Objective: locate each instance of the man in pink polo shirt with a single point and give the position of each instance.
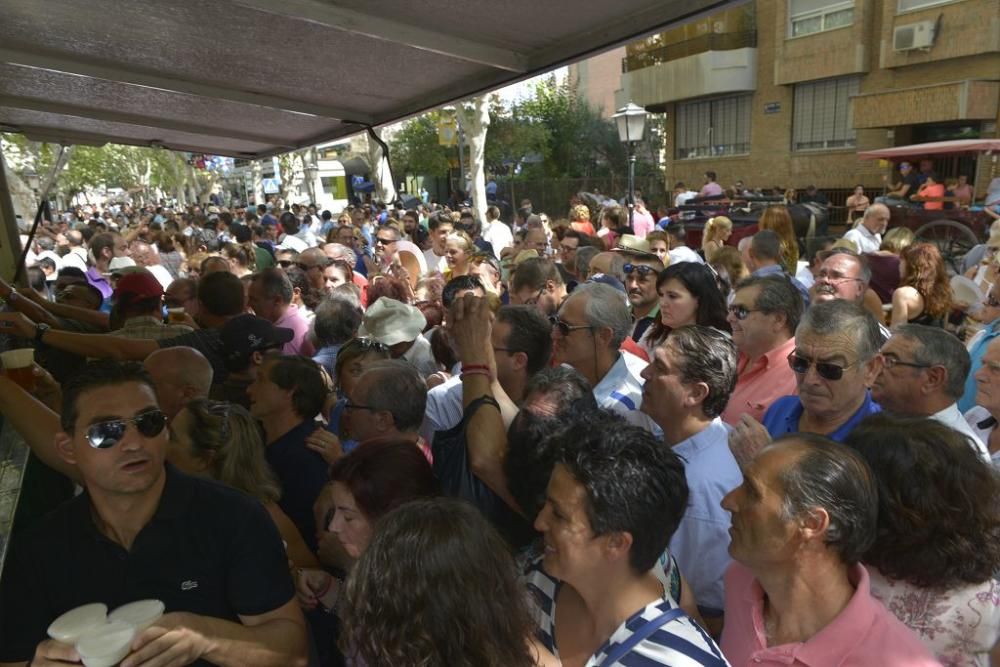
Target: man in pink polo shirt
(764, 313)
(270, 297)
(796, 594)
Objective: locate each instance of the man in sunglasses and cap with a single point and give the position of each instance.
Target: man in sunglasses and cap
(143, 530)
(835, 362)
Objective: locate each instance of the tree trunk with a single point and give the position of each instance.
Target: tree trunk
(475, 125)
(258, 183)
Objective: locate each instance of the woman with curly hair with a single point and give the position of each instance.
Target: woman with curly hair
(779, 220)
(923, 295)
(938, 541)
(579, 219)
(717, 232)
(437, 586)
(689, 294)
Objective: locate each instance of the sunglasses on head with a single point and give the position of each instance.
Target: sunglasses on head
(826, 370)
(107, 434)
(641, 269)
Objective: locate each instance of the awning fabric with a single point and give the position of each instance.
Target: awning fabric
(933, 148)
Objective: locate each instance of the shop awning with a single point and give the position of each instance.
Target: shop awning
(932, 148)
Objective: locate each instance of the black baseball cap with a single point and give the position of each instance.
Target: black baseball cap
(245, 334)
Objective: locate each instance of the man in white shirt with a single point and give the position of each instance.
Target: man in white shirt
(440, 225)
(496, 232)
(682, 194)
(923, 375)
(867, 236)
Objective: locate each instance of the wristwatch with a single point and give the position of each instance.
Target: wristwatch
(40, 330)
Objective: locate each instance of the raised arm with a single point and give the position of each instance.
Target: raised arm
(36, 423)
(486, 431)
(85, 345)
(95, 318)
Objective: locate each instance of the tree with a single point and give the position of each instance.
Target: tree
(513, 138)
(475, 122)
(415, 148)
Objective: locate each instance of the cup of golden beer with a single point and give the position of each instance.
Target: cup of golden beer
(175, 315)
(18, 366)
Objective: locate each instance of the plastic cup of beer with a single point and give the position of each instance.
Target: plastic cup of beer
(175, 315)
(17, 365)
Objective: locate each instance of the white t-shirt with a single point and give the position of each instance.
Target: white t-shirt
(435, 263)
(498, 235)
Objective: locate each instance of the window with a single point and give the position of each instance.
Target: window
(910, 5)
(822, 116)
(711, 128)
(808, 16)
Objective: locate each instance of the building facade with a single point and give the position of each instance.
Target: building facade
(784, 93)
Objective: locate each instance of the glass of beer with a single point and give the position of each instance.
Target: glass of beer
(175, 315)
(18, 366)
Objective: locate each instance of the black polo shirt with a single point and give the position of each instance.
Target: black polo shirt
(208, 550)
(206, 341)
(303, 473)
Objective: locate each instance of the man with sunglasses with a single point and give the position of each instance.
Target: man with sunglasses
(641, 270)
(923, 375)
(763, 315)
(312, 262)
(144, 530)
(385, 240)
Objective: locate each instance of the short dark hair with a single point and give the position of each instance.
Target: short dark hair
(289, 223)
(938, 511)
(301, 376)
(222, 294)
(399, 389)
(95, 375)
(711, 175)
(274, 283)
(438, 219)
(460, 284)
(833, 477)
(383, 475)
(337, 320)
(766, 244)
(706, 355)
(632, 482)
(530, 332)
(616, 215)
(101, 241)
(776, 294)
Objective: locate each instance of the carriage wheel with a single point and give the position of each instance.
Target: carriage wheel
(953, 240)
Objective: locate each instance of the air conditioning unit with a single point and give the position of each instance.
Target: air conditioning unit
(913, 36)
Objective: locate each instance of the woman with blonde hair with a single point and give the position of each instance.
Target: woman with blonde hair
(579, 219)
(458, 250)
(717, 232)
(242, 260)
(923, 295)
(779, 220)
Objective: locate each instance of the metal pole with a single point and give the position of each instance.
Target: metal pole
(631, 183)
(461, 159)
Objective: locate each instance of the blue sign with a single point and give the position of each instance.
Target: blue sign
(772, 107)
(272, 186)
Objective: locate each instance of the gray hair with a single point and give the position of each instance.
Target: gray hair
(707, 355)
(835, 478)
(766, 244)
(777, 295)
(838, 316)
(337, 319)
(937, 347)
(398, 388)
(583, 257)
(606, 308)
(864, 270)
(341, 251)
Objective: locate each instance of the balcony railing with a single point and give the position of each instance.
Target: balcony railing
(713, 41)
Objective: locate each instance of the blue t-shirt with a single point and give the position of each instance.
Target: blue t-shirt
(784, 414)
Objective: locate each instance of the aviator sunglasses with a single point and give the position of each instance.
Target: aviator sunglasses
(104, 435)
(826, 370)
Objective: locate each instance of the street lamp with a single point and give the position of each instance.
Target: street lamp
(311, 170)
(631, 121)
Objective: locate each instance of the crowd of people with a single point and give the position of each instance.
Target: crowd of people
(410, 437)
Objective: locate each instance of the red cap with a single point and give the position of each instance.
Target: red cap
(139, 286)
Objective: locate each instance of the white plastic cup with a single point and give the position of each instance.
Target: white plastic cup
(75, 623)
(140, 614)
(106, 646)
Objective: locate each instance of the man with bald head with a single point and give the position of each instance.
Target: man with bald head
(180, 375)
(312, 262)
(610, 264)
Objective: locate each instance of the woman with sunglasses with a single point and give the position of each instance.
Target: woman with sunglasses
(689, 294)
(222, 441)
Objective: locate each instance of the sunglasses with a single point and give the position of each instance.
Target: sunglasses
(641, 269)
(104, 435)
(826, 370)
(366, 345)
(564, 328)
(380, 241)
(741, 312)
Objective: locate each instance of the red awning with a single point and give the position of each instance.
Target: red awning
(933, 148)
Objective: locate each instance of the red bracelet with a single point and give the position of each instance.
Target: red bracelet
(475, 367)
(477, 371)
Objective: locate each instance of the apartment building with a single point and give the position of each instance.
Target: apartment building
(786, 92)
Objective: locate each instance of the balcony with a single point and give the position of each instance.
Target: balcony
(711, 64)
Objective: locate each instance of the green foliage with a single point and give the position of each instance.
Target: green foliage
(512, 137)
(415, 148)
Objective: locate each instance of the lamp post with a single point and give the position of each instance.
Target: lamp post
(631, 121)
